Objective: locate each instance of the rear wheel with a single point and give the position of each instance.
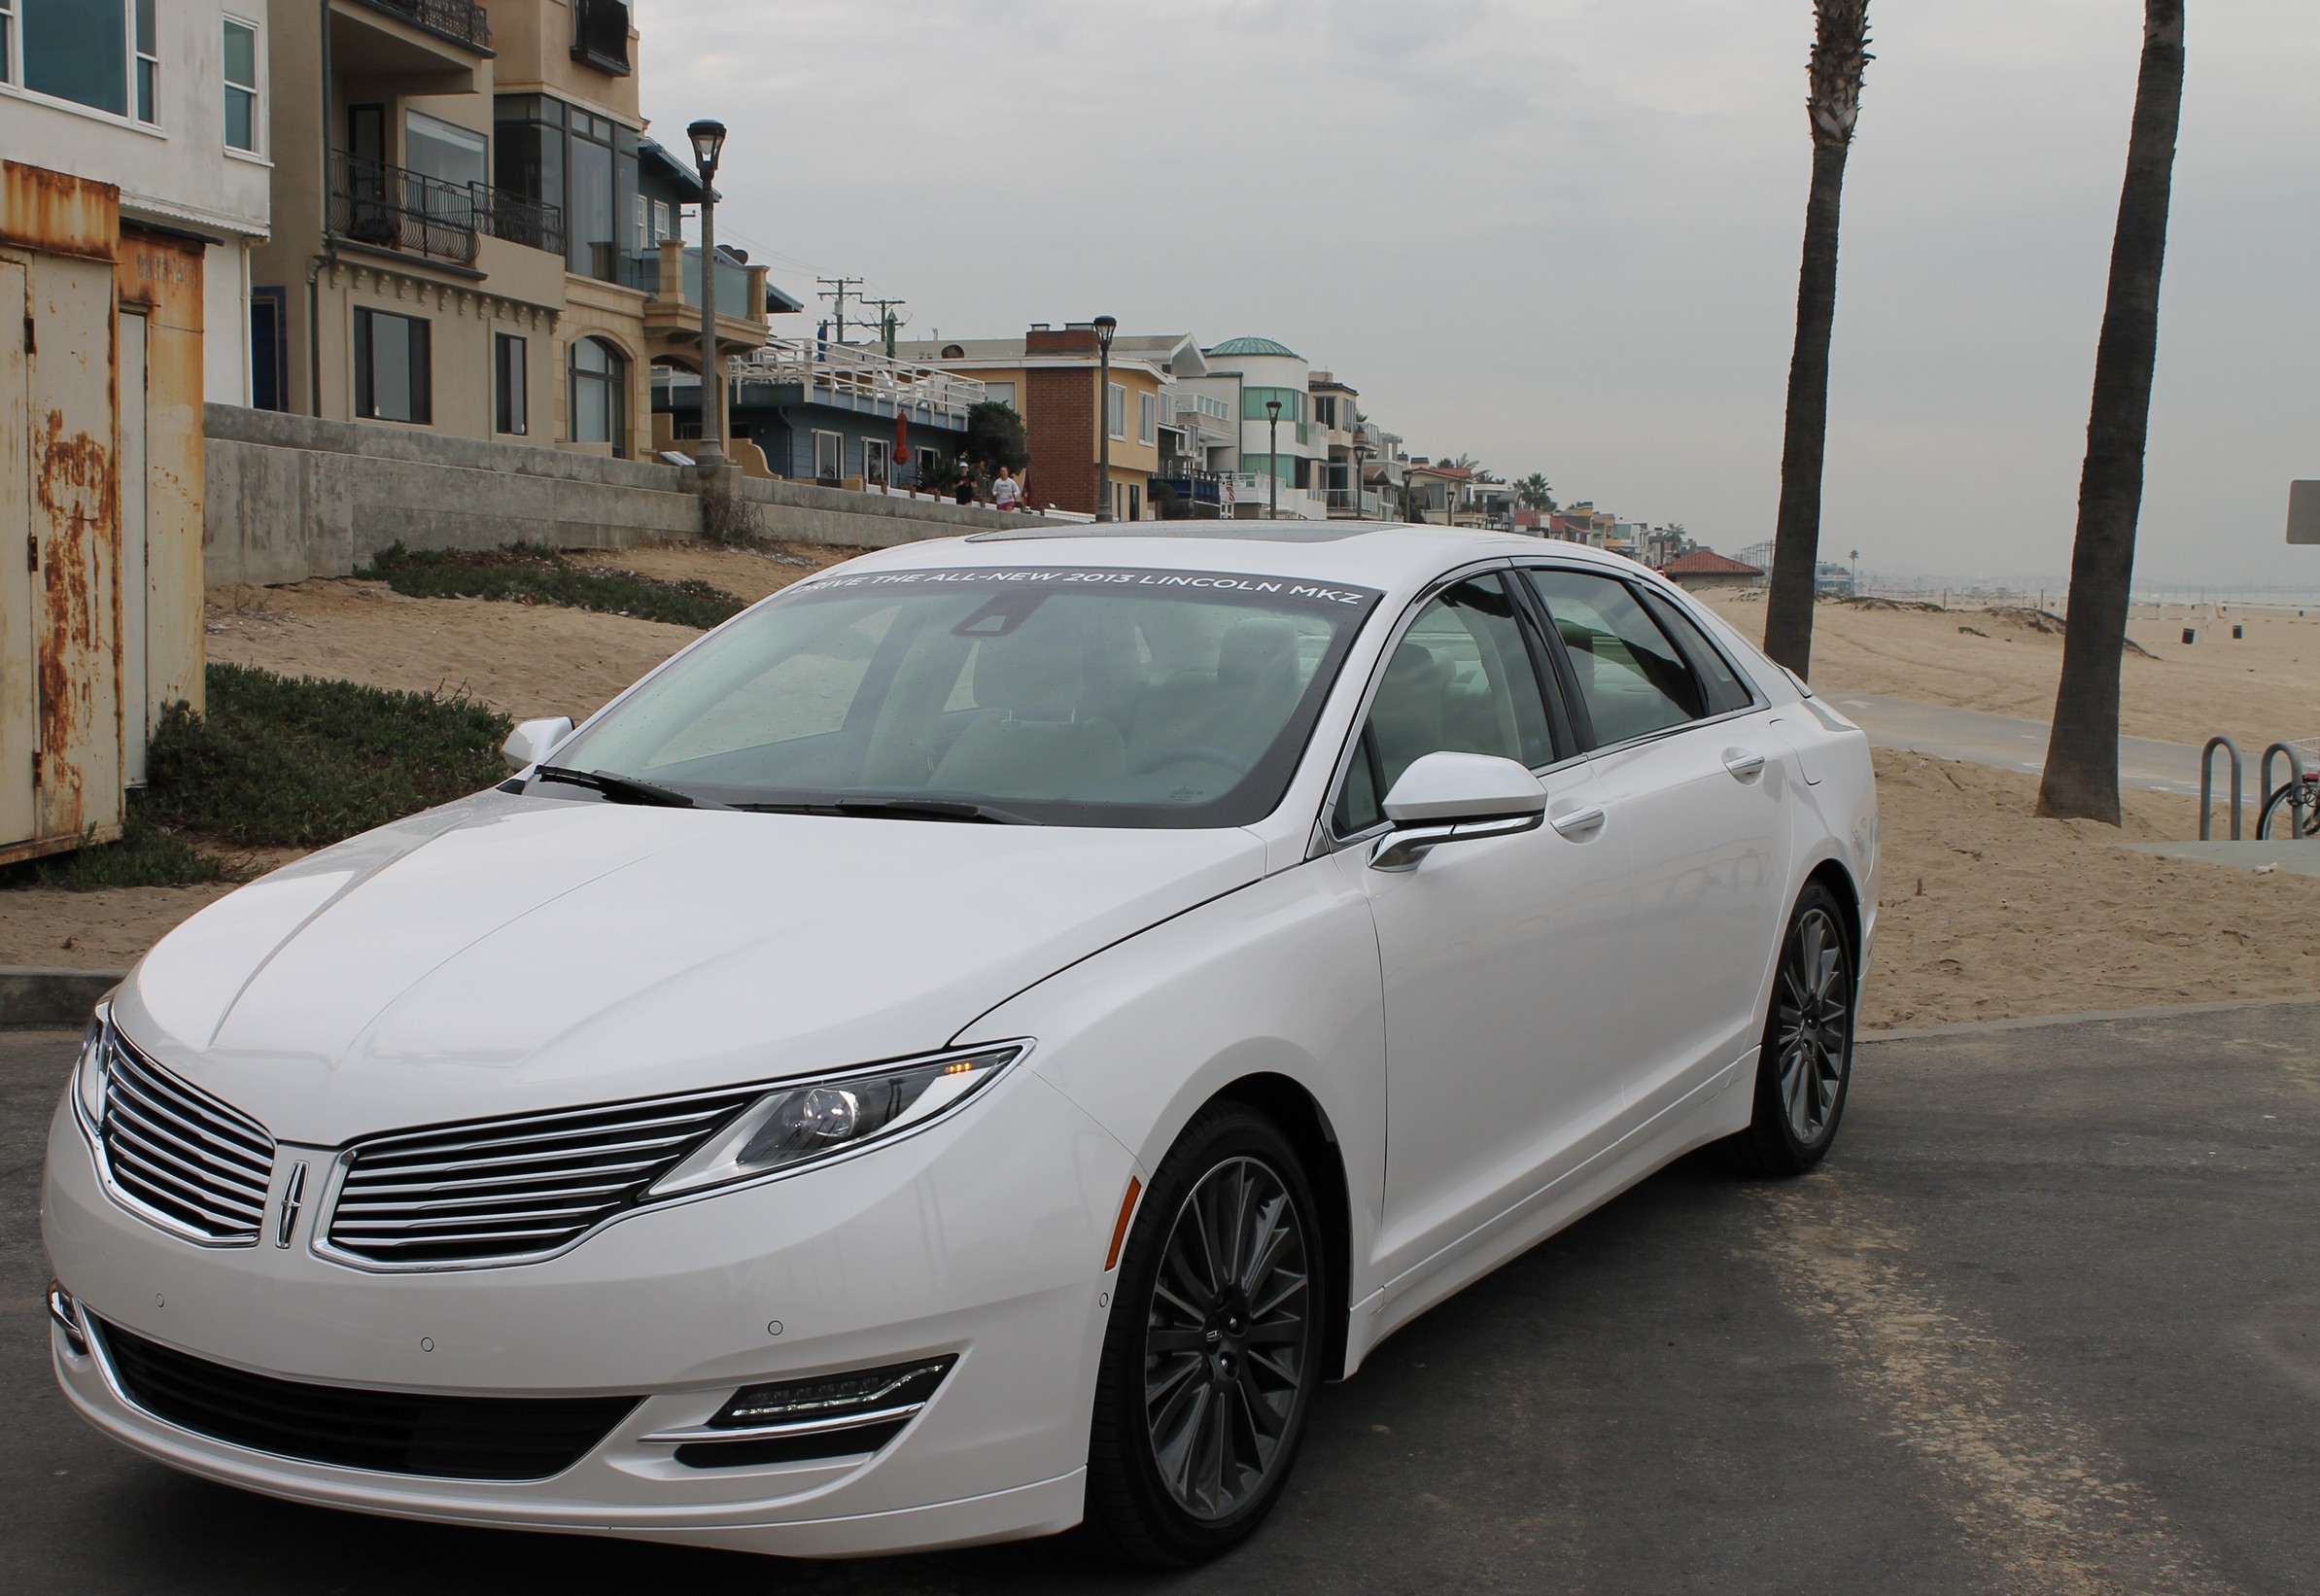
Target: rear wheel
(2291, 813)
(1214, 1346)
(1806, 1064)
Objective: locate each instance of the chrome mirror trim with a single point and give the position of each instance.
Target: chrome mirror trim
(1402, 849)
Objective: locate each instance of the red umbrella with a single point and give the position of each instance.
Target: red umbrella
(902, 439)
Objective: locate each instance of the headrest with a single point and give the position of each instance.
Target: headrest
(1035, 675)
(1414, 666)
(1255, 649)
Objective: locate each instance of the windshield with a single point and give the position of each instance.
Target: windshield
(1063, 695)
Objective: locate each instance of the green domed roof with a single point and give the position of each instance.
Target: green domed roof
(1254, 346)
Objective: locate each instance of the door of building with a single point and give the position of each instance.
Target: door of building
(16, 653)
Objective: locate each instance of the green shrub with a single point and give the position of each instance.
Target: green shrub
(538, 575)
(298, 764)
(146, 856)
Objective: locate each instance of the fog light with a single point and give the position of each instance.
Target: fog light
(67, 1316)
(864, 1392)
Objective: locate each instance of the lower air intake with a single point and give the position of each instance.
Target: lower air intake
(389, 1431)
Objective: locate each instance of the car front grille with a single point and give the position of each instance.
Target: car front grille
(500, 1191)
(182, 1154)
(391, 1432)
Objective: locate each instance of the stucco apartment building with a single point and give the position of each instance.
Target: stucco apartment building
(134, 185)
(1050, 375)
(473, 233)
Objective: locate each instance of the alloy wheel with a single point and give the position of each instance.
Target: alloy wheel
(1812, 1024)
(1227, 1338)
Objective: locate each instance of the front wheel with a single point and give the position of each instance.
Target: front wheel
(1806, 1064)
(2291, 813)
(1214, 1346)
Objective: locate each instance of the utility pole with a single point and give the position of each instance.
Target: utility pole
(886, 317)
(837, 290)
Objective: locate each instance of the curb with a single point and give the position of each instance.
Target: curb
(30, 995)
(2162, 1011)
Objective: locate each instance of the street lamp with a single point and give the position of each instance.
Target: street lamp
(1361, 456)
(1272, 456)
(709, 143)
(1106, 326)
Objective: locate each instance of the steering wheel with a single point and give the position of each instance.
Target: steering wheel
(1201, 751)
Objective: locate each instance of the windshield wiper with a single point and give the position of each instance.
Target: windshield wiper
(902, 809)
(621, 789)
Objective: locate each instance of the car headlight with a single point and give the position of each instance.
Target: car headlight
(89, 1071)
(802, 1121)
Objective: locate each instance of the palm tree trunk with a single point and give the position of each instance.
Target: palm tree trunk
(2082, 755)
(1839, 56)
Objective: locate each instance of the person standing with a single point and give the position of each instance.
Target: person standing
(1006, 492)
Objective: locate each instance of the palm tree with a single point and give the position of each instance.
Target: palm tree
(1534, 493)
(2082, 754)
(1840, 57)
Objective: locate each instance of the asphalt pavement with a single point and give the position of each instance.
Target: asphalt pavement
(2047, 1319)
(1982, 737)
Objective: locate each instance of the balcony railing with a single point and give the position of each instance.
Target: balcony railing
(642, 269)
(861, 379)
(391, 207)
(460, 20)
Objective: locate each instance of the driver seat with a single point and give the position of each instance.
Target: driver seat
(1032, 742)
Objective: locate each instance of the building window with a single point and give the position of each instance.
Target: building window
(643, 221)
(8, 41)
(146, 65)
(1135, 502)
(660, 221)
(875, 453)
(392, 381)
(511, 410)
(829, 457)
(80, 51)
(454, 157)
(269, 351)
(998, 393)
(1115, 411)
(599, 380)
(1146, 418)
(241, 85)
(1254, 399)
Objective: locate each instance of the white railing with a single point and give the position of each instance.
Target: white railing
(863, 377)
(1204, 404)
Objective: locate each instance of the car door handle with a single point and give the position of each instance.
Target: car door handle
(1578, 822)
(1744, 766)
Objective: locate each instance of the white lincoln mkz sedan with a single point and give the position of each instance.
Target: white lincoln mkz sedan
(968, 1046)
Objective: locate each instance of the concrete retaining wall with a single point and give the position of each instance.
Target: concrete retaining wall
(291, 497)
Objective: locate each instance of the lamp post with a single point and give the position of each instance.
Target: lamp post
(1106, 326)
(1360, 457)
(709, 143)
(1272, 458)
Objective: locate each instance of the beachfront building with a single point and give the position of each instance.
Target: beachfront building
(472, 235)
(1277, 463)
(1050, 375)
(840, 415)
(135, 138)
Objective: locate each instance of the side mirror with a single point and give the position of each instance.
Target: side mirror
(534, 741)
(1452, 797)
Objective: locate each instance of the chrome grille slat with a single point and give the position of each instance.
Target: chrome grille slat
(194, 1162)
(502, 1190)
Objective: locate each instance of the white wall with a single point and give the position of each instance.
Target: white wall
(225, 323)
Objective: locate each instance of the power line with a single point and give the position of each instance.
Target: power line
(837, 290)
(886, 320)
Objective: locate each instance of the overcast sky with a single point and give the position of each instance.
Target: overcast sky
(1562, 235)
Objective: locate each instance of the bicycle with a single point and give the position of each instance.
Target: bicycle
(2291, 810)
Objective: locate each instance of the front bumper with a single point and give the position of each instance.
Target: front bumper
(983, 1237)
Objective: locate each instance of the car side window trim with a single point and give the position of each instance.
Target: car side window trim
(1569, 676)
(1691, 639)
(1562, 728)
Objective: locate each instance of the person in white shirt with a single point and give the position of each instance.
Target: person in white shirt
(1005, 492)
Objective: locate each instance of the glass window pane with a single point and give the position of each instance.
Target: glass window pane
(1633, 680)
(241, 117)
(146, 37)
(442, 150)
(78, 50)
(390, 368)
(241, 55)
(594, 247)
(1461, 680)
(1725, 690)
(149, 91)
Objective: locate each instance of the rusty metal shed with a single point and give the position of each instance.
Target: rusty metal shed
(101, 489)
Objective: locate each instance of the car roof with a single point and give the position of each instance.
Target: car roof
(1387, 555)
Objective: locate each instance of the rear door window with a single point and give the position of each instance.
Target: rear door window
(1631, 677)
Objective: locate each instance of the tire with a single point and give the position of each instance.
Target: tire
(1804, 1069)
(1179, 1466)
(2279, 809)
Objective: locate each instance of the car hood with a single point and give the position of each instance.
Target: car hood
(512, 954)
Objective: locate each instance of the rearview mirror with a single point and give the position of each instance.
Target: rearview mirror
(1451, 797)
(534, 741)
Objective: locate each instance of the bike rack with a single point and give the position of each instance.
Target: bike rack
(2207, 784)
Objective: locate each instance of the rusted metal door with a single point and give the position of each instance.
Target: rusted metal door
(16, 653)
